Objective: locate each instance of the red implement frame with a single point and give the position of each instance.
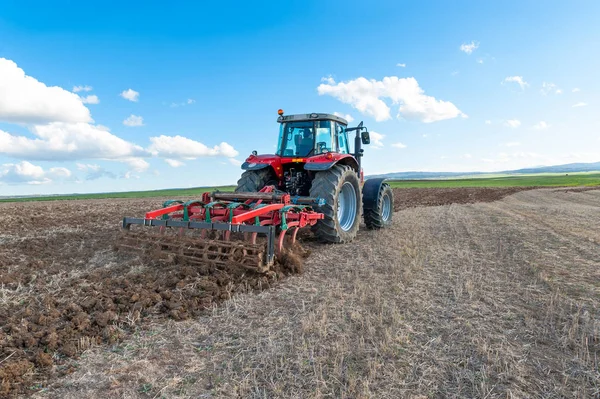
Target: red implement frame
(264, 208)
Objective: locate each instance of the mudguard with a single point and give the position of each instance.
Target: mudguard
(371, 192)
(254, 166)
(318, 166)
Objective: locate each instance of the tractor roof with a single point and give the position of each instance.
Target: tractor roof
(311, 117)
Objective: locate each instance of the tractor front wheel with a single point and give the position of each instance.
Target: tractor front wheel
(254, 180)
(340, 188)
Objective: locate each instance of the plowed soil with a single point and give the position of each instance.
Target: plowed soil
(64, 288)
(412, 197)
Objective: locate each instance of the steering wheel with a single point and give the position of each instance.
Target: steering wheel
(321, 145)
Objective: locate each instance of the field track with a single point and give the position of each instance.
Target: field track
(499, 298)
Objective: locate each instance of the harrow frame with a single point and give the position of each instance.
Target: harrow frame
(266, 212)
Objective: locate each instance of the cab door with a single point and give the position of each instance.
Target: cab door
(341, 137)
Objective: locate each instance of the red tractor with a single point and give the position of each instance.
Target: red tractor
(314, 159)
(314, 180)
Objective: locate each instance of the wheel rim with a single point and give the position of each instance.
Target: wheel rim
(346, 212)
(386, 208)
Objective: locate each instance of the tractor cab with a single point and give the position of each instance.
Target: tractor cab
(308, 144)
(307, 135)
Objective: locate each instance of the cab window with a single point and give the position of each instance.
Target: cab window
(323, 140)
(342, 139)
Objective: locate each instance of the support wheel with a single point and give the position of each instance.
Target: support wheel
(340, 188)
(254, 180)
(379, 205)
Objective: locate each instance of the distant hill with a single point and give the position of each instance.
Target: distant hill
(567, 168)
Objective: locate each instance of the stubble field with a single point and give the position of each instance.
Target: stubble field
(471, 293)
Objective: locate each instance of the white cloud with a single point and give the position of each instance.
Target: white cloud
(60, 131)
(134, 120)
(541, 125)
(59, 172)
(488, 122)
(77, 89)
(399, 145)
(469, 47)
(548, 88)
(178, 147)
(129, 175)
(174, 163)
(466, 156)
(23, 99)
(26, 172)
(347, 117)
(189, 101)
(137, 164)
(517, 79)
(480, 60)
(94, 171)
(130, 95)
(235, 162)
(514, 123)
(91, 99)
(367, 97)
(85, 167)
(60, 141)
(579, 104)
(376, 139)
(576, 90)
(328, 80)
(401, 65)
(512, 144)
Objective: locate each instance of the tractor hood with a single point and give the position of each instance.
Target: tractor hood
(315, 162)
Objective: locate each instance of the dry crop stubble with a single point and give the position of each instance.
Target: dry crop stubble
(444, 304)
(453, 301)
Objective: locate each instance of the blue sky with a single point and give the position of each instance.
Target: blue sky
(148, 95)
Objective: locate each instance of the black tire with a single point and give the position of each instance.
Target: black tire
(253, 180)
(378, 214)
(328, 186)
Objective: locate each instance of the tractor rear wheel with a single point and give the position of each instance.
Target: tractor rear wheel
(379, 207)
(340, 188)
(254, 180)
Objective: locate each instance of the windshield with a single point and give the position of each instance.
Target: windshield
(297, 139)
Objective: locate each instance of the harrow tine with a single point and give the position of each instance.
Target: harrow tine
(280, 241)
(250, 237)
(294, 234)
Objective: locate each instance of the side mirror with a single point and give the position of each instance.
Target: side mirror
(366, 139)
